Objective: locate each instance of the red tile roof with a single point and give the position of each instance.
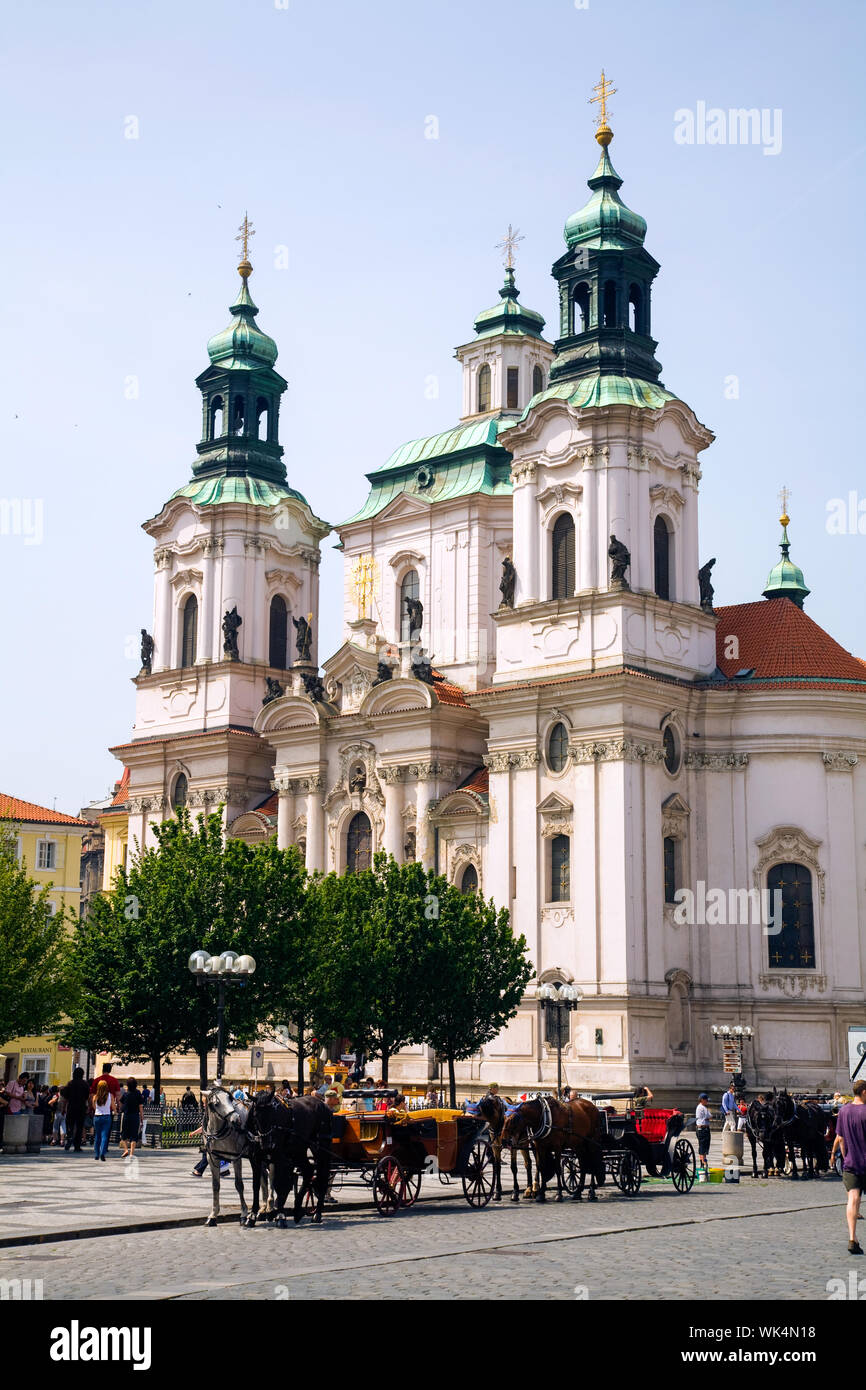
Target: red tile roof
(446, 693)
(477, 781)
(269, 806)
(11, 808)
(121, 792)
(781, 642)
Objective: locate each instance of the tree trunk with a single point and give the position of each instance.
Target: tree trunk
(385, 1057)
(452, 1082)
(157, 1073)
(202, 1068)
(301, 1051)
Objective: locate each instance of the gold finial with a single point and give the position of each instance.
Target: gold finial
(784, 519)
(363, 574)
(603, 89)
(508, 243)
(245, 230)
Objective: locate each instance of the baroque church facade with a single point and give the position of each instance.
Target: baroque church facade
(535, 694)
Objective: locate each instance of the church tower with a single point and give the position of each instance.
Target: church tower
(236, 592)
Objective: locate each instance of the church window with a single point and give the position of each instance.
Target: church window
(793, 948)
(217, 414)
(662, 557)
(277, 637)
(671, 751)
(670, 864)
(557, 748)
(359, 844)
(190, 629)
(635, 305)
(180, 793)
(537, 380)
(238, 415)
(580, 315)
(562, 549)
(483, 389)
(610, 304)
(511, 388)
(560, 869)
(262, 418)
(469, 879)
(409, 588)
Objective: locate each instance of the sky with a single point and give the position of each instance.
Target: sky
(136, 133)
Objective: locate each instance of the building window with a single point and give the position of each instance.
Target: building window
(662, 557)
(635, 316)
(483, 389)
(560, 866)
(671, 750)
(46, 854)
(36, 1065)
(562, 584)
(794, 946)
(670, 858)
(262, 419)
(279, 622)
(512, 379)
(238, 415)
(50, 910)
(216, 417)
(409, 588)
(610, 304)
(359, 844)
(190, 629)
(469, 879)
(557, 748)
(580, 313)
(181, 792)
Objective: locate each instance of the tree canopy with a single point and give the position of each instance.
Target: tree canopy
(37, 978)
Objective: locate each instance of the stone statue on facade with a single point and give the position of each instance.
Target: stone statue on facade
(620, 559)
(274, 690)
(383, 673)
(707, 590)
(303, 637)
(358, 780)
(422, 668)
(506, 583)
(231, 622)
(314, 688)
(415, 610)
(146, 652)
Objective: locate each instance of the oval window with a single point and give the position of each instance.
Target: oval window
(557, 748)
(671, 751)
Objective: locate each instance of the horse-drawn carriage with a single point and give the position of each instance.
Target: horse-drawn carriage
(390, 1151)
(642, 1139)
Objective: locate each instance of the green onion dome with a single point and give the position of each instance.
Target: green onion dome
(243, 344)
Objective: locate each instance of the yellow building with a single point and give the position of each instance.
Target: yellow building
(49, 849)
(115, 824)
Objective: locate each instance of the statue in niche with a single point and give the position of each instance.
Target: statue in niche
(303, 637)
(506, 583)
(383, 673)
(314, 688)
(620, 559)
(358, 780)
(415, 610)
(707, 589)
(231, 622)
(146, 652)
(273, 690)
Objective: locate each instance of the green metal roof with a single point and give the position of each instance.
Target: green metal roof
(786, 579)
(212, 492)
(509, 315)
(596, 390)
(243, 344)
(605, 222)
(461, 437)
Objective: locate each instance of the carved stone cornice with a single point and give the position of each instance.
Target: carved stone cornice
(141, 805)
(162, 558)
(427, 771)
(230, 793)
(639, 458)
(667, 497)
(522, 473)
(589, 457)
(391, 776)
(840, 762)
(616, 750)
(715, 762)
(691, 475)
(520, 758)
(551, 827)
(189, 577)
(214, 545)
(255, 545)
(794, 984)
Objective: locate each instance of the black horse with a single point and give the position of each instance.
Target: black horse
(802, 1127)
(288, 1132)
(761, 1128)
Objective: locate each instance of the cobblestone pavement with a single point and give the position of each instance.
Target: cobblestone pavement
(756, 1240)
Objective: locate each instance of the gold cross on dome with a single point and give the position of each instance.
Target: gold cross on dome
(783, 499)
(362, 582)
(245, 230)
(508, 243)
(603, 90)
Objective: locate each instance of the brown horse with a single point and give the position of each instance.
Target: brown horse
(552, 1127)
(494, 1110)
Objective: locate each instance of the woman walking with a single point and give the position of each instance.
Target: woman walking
(103, 1106)
(131, 1103)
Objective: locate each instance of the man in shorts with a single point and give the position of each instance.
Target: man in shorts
(851, 1139)
(702, 1129)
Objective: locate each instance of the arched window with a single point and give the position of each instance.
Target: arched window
(483, 388)
(610, 304)
(537, 380)
(238, 415)
(180, 793)
(279, 622)
(409, 588)
(635, 309)
(217, 414)
(562, 553)
(793, 948)
(560, 869)
(469, 879)
(662, 557)
(671, 750)
(580, 309)
(190, 631)
(512, 388)
(359, 844)
(670, 865)
(262, 418)
(557, 748)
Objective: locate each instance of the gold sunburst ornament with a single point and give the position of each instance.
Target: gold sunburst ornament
(783, 499)
(508, 245)
(363, 573)
(245, 231)
(602, 89)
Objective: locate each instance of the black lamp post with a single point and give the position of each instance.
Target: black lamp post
(558, 1002)
(223, 968)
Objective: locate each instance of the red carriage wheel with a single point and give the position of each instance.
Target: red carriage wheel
(389, 1186)
(479, 1178)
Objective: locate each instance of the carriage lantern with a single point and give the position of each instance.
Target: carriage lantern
(558, 1000)
(226, 966)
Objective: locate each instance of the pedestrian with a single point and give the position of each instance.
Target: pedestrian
(43, 1108)
(431, 1100)
(75, 1094)
(15, 1093)
(162, 1099)
(702, 1129)
(103, 1106)
(286, 1091)
(30, 1098)
(111, 1081)
(188, 1100)
(130, 1125)
(58, 1117)
(729, 1107)
(225, 1166)
(851, 1140)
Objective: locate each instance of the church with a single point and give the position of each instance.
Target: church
(536, 694)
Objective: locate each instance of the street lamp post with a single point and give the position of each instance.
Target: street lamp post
(733, 1038)
(558, 1001)
(223, 968)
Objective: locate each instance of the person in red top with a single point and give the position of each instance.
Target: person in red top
(111, 1081)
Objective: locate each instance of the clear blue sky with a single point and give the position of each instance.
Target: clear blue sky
(119, 262)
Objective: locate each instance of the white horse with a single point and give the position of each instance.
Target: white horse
(226, 1138)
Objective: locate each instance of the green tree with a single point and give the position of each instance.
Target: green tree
(37, 977)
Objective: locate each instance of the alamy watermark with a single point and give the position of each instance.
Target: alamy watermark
(718, 907)
(22, 516)
(736, 126)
